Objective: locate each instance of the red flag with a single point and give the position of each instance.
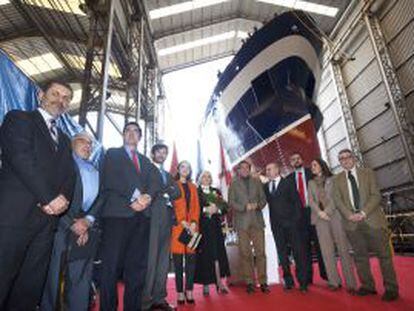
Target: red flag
(174, 161)
(225, 173)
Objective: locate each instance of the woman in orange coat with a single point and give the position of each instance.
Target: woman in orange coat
(187, 213)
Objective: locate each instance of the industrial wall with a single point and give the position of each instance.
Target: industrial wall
(363, 117)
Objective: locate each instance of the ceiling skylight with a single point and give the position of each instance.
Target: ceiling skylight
(201, 42)
(182, 7)
(305, 6)
(39, 64)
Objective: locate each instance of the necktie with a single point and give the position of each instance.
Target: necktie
(53, 130)
(355, 191)
(273, 186)
(164, 175)
(135, 161)
(301, 189)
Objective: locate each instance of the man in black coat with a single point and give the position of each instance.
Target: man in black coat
(130, 183)
(286, 223)
(299, 178)
(36, 184)
(162, 220)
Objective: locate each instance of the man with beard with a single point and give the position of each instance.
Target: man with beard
(299, 178)
(36, 184)
(162, 220)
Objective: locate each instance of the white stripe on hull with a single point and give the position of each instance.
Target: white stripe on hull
(287, 47)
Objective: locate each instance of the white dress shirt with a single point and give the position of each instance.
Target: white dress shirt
(48, 118)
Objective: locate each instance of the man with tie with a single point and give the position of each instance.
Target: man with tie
(286, 223)
(36, 184)
(247, 199)
(358, 199)
(299, 178)
(130, 183)
(162, 220)
(75, 227)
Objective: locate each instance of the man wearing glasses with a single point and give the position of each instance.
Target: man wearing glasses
(357, 197)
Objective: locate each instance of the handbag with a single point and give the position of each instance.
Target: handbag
(190, 240)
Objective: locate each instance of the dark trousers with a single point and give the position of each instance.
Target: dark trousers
(78, 278)
(189, 271)
(24, 259)
(312, 243)
(124, 245)
(159, 258)
(365, 239)
(290, 238)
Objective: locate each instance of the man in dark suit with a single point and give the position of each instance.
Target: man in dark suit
(130, 183)
(36, 184)
(299, 178)
(162, 220)
(75, 226)
(286, 222)
(358, 198)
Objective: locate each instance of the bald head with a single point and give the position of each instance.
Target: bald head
(272, 170)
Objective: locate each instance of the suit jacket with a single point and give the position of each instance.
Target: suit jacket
(189, 213)
(161, 202)
(239, 196)
(34, 170)
(120, 179)
(370, 199)
(284, 204)
(292, 179)
(75, 209)
(315, 199)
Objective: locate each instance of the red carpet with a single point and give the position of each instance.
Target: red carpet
(319, 298)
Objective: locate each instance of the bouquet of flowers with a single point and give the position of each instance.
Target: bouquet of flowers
(214, 197)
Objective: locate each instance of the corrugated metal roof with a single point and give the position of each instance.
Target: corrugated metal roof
(230, 15)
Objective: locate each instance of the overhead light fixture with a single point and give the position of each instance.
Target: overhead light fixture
(182, 7)
(304, 6)
(68, 6)
(39, 64)
(4, 2)
(200, 42)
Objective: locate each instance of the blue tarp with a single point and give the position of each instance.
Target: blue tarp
(19, 92)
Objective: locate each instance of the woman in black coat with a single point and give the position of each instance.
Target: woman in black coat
(212, 264)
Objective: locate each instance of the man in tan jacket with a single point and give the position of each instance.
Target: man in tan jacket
(357, 197)
(247, 199)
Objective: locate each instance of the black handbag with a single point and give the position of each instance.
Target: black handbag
(76, 252)
(191, 240)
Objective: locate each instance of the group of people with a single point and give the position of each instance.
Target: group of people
(59, 212)
(312, 211)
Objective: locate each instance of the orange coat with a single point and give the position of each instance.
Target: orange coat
(193, 215)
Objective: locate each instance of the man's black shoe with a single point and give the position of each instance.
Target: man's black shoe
(365, 292)
(264, 288)
(303, 288)
(163, 306)
(390, 296)
(250, 288)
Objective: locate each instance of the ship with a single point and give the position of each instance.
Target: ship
(263, 106)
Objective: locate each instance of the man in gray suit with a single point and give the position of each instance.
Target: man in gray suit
(247, 199)
(357, 197)
(162, 220)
